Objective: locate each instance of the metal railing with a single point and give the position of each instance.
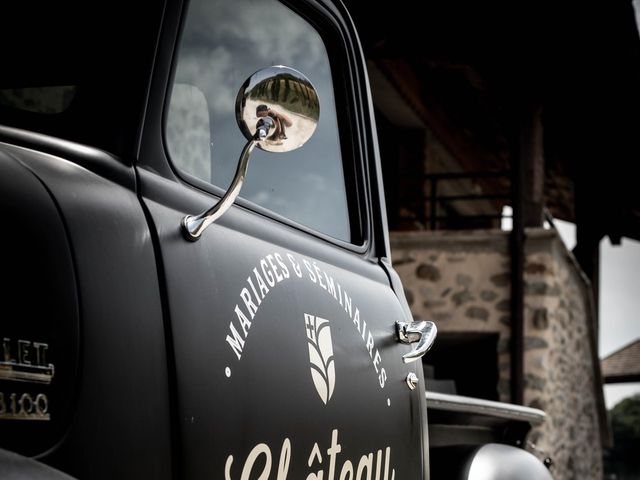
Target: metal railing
(438, 203)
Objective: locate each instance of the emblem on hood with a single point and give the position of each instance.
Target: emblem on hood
(323, 371)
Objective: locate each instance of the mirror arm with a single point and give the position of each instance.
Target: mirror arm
(194, 225)
(254, 92)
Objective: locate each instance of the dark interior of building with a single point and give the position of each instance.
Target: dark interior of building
(493, 80)
(477, 349)
(533, 106)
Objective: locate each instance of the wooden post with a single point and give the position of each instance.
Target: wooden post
(527, 190)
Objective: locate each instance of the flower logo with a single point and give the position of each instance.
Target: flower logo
(323, 371)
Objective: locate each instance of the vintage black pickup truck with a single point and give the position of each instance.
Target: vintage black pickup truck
(170, 311)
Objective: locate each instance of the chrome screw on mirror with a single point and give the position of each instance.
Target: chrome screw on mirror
(277, 109)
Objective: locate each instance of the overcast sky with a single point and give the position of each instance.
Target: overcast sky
(619, 308)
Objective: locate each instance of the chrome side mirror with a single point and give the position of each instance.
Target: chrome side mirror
(277, 110)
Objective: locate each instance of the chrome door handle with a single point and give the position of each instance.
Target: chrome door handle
(423, 332)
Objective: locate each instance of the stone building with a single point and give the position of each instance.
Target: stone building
(462, 282)
(623, 365)
(485, 108)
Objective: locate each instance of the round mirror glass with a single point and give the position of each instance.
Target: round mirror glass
(278, 106)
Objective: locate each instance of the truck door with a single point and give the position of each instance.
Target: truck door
(281, 320)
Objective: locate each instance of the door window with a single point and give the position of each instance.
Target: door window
(223, 42)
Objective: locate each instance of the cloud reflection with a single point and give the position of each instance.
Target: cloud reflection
(223, 43)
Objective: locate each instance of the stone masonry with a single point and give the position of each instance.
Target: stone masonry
(559, 367)
(461, 280)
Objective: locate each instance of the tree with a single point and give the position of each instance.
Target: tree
(624, 458)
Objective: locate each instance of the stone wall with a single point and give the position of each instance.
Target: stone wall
(560, 374)
(461, 280)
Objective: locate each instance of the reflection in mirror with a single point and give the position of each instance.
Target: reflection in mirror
(279, 106)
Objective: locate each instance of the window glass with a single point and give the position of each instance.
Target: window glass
(54, 99)
(224, 42)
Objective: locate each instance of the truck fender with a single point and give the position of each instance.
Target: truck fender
(17, 467)
(491, 461)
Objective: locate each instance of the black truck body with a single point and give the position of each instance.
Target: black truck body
(267, 349)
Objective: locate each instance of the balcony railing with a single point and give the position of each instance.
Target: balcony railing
(442, 213)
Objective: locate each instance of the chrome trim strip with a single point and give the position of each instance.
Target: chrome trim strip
(26, 373)
(477, 406)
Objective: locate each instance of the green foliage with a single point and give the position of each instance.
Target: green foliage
(624, 458)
